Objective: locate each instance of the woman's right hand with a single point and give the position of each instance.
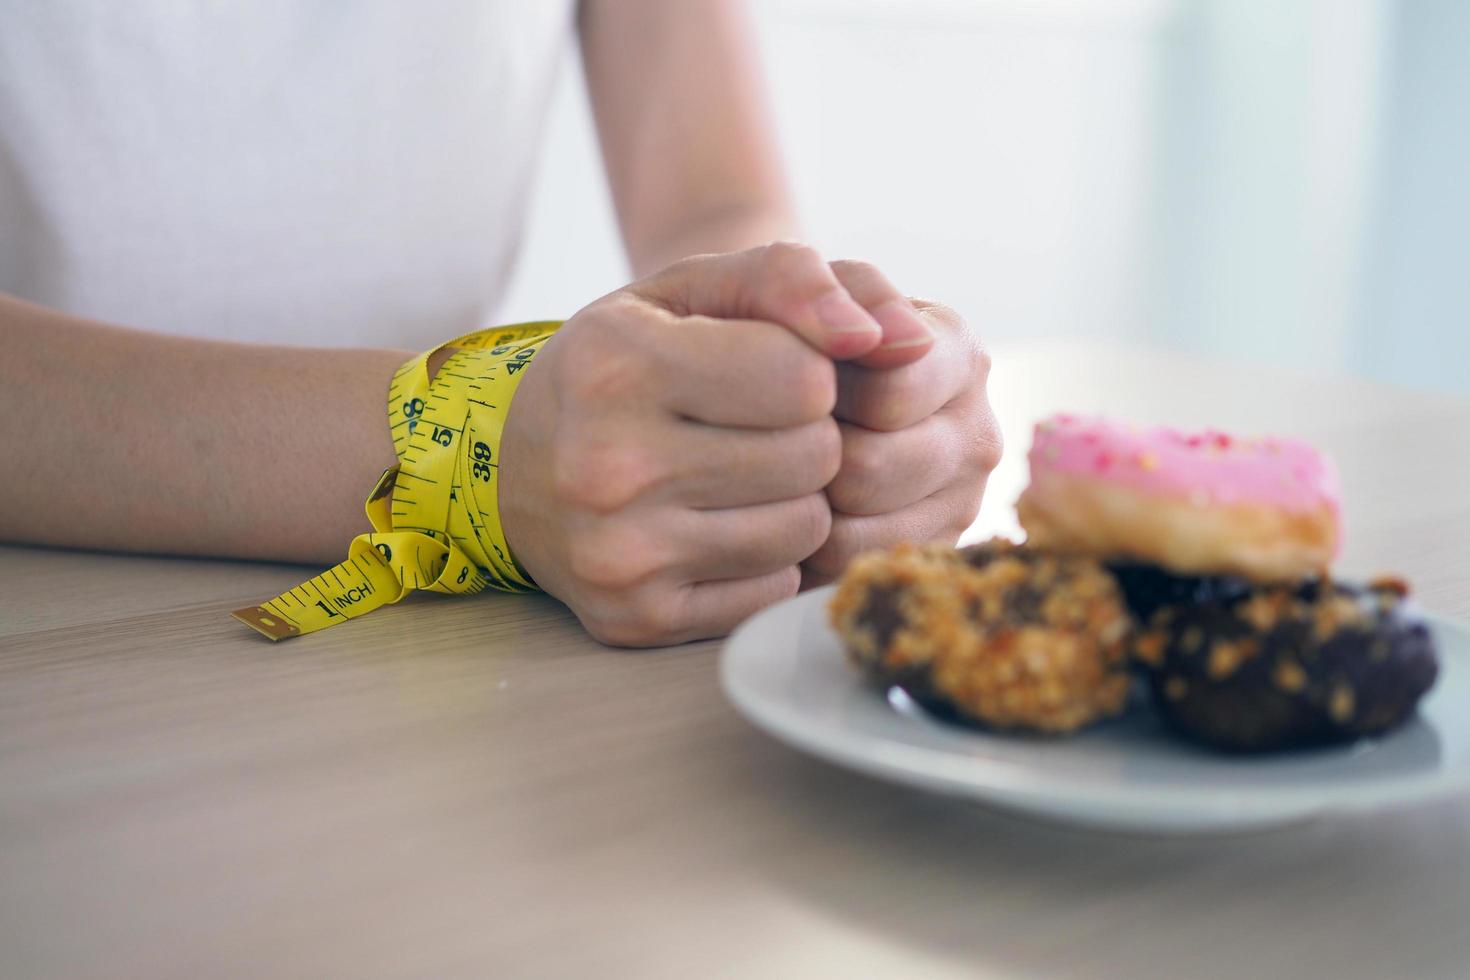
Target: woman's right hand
(663, 462)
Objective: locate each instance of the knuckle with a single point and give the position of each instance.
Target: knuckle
(687, 267)
(811, 522)
(614, 310)
(948, 322)
(615, 627)
(643, 619)
(862, 457)
(812, 384)
(594, 613)
(597, 370)
(975, 353)
(978, 364)
(855, 269)
(957, 518)
(654, 617)
(827, 449)
(595, 566)
(796, 273)
(668, 289)
(568, 468)
(602, 477)
(976, 433)
(608, 630)
(785, 583)
(612, 560)
(946, 316)
(786, 255)
(990, 445)
(962, 522)
(864, 281)
(982, 361)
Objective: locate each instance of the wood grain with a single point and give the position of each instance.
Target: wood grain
(473, 788)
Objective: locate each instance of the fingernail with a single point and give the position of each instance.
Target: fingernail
(902, 325)
(841, 314)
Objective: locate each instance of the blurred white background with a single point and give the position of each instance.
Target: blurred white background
(1283, 181)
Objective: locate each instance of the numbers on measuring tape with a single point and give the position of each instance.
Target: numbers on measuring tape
(481, 471)
(385, 551)
(481, 452)
(413, 408)
(464, 573)
(521, 359)
(442, 436)
(327, 609)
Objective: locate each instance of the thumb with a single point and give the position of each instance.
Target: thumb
(906, 337)
(784, 283)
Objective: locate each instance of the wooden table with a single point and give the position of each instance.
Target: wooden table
(473, 788)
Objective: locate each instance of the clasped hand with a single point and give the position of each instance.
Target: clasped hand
(706, 441)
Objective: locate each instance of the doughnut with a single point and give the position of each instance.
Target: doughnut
(1149, 588)
(1280, 667)
(998, 635)
(1202, 504)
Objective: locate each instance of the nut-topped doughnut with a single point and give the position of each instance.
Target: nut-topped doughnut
(1002, 635)
(1289, 666)
(1204, 503)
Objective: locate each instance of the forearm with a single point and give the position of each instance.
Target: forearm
(685, 127)
(125, 440)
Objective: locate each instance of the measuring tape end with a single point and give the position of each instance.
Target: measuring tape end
(266, 623)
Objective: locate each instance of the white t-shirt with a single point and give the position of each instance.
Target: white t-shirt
(296, 171)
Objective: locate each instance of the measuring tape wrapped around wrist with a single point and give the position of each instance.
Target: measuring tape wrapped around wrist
(435, 516)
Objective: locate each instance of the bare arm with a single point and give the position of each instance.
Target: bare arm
(134, 441)
(686, 132)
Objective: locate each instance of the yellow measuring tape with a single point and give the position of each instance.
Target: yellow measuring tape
(435, 516)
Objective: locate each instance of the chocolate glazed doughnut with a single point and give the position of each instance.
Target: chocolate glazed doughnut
(1148, 588)
(1284, 667)
(997, 635)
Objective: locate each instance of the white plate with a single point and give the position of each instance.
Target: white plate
(785, 670)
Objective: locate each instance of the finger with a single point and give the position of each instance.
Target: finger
(741, 542)
(886, 471)
(716, 468)
(742, 373)
(662, 616)
(906, 337)
(716, 608)
(943, 516)
(898, 397)
(784, 282)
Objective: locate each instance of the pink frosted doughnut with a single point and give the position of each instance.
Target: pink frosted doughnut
(1195, 503)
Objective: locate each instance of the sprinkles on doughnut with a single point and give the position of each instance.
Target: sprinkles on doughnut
(1195, 503)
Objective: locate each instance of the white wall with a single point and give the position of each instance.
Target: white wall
(1415, 295)
(1279, 180)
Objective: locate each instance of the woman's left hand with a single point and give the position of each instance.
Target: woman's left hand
(918, 436)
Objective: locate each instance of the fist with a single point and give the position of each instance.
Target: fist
(665, 459)
(918, 436)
